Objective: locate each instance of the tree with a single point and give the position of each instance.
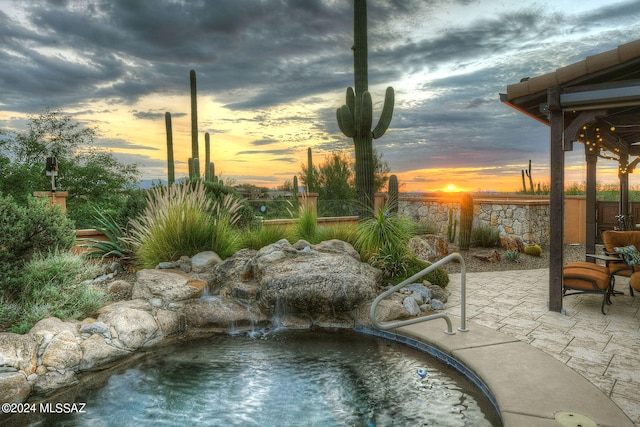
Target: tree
(336, 190)
(91, 176)
(380, 171)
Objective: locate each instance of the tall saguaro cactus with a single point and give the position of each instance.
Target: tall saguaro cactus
(195, 162)
(171, 177)
(355, 117)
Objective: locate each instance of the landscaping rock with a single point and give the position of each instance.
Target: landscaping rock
(310, 281)
(428, 247)
(134, 328)
(15, 387)
(204, 261)
(19, 351)
(169, 285)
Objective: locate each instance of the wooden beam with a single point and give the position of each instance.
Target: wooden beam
(556, 220)
(591, 227)
(573, 129)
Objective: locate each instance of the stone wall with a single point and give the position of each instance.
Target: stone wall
(524, 216)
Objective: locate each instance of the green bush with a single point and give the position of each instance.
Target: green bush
(26, 231)
(438, 277)
(485, 236)
(52, 286)
(181, 220)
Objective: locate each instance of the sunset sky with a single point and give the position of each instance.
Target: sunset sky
(272, 73)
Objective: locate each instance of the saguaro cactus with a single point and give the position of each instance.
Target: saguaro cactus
(295, 185)
(393, 194)
(207, 157)
(355, 117)
(195, 162)
(466, 221)
(171, 177)
(311, 173)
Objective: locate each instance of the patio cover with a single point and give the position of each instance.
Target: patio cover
(595, 102)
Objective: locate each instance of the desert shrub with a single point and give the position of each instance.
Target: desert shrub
(181, 220)
(438, 277)
(533, 250)
(485, 236)
(52, 286)
(26, 231)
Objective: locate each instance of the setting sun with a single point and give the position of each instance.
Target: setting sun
(451, 187)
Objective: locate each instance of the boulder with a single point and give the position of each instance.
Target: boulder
(62, 352)
(221, 313)
(133, 327)
(511, 242)
(19, 351)
(14, 387)
(310, 281)
(492, 256)
(169, 285)
(204, 261)
(96, 353)
(53, 380)
(428, 247)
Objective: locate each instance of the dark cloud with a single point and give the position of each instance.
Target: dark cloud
(254, 56)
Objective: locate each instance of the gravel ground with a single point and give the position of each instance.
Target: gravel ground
(572, 252)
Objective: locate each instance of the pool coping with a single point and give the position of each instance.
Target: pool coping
(527, 386)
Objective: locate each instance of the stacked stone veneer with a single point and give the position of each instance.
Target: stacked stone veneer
(525, 217)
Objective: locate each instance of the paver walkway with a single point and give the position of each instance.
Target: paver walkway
(604, 349)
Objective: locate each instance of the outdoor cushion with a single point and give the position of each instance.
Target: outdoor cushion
(630, 254)
(587, 277)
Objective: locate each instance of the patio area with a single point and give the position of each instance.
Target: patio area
(603, 349)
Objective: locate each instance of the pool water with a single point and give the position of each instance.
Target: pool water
(284, 379)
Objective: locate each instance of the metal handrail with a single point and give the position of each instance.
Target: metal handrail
(412, 279)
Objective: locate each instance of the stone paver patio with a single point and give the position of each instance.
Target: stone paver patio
(605, 349)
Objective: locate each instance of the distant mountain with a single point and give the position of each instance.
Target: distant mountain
(146, 184)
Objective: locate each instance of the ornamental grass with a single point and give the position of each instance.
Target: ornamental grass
(181, 220)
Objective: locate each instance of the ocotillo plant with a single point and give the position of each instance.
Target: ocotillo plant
(171, 177)
(356, 116)
(466, 221)
(195, 163)
(392, 191)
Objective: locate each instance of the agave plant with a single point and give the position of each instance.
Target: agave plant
(115, 247)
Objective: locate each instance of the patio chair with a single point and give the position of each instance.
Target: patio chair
(620, 239)
(587, 278)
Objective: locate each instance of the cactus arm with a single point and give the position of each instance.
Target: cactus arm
(345, 121)
(366, 114)
(387, 113)
(351, 99)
